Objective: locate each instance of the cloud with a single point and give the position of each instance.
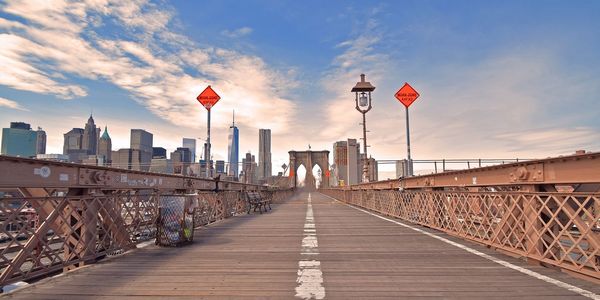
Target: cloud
(11, 104)
(505, 104)
(236, 33)
(49, 44)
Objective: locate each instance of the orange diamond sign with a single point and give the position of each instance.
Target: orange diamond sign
(407, 95)
(208, 98)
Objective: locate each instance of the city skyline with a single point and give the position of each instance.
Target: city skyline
(483, 90)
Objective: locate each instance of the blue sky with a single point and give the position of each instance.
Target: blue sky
(497, 79)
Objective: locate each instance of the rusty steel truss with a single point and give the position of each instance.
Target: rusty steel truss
(547, 211)
(59, 216)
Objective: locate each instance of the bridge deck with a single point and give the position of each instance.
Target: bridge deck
(254, 256)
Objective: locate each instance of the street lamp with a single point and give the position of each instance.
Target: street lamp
(363, 90)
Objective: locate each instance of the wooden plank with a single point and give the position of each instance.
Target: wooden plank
(256, 256)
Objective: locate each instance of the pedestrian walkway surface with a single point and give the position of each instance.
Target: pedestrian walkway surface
(310, 247)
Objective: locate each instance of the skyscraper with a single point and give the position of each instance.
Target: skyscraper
(181, 159)
(249, 168)
(141, 141)
(264, 153)
(73, 145)
(105, 147)
(90, 137)
(233, 149)
(40, 142)
(19, 140)
(340, 160)
(190, 144)
(159, 152)
(353, 157)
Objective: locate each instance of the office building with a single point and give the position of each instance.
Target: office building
(122, 158)
(220, 167)
(201, 171)
(373, 171)
(190, 144)
(19, 140)
(181, 159)
(353, 160)
(161, 165)
(249, 168)
(401, 168)
(233, 149)
(159, 152)
(40, 141)
(264, 154)
(105, 147)
(53, 157)
(73, 140)
(340, 161)
(89, 140)
(141, 142)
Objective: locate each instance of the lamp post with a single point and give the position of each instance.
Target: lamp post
(363, 90)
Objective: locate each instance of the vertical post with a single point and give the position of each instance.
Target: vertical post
(366, 159)
(207, 154)
(410, 166)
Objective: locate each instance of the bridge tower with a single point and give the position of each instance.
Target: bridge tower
(309, 159)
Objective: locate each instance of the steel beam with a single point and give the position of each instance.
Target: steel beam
(573, 169)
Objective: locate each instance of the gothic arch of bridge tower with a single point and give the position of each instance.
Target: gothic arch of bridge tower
(309, 159)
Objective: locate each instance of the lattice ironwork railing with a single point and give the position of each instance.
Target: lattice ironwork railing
(42, 235)
(560, 229)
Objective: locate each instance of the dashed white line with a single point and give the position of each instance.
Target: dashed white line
(537, 275)
(310, 277)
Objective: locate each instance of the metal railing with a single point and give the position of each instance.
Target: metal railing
(57, 216)
(561, 229)
(42, 235)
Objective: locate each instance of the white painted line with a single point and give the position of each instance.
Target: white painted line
(537, 275)
(310, 277)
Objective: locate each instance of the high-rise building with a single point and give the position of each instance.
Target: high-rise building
(190, 144)
(220, 166)
(161, 165)
(73, 145)
(340, 160)
(40, 142)
(122, 158)
(73, 140)
(249, 168)
(353, 159)
(90, 137)
(19, 140)
(105, 147)
(159, 152)
(373, 170)
(141, 141)
(233, 150)
(401, 168)
(264, 153)
(181, 159)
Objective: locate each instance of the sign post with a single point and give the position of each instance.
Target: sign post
(208, 98)
(407, 95)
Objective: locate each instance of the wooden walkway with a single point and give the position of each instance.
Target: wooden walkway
(339, 252)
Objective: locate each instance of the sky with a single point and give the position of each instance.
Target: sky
(502, 79)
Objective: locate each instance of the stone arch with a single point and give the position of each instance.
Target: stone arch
(309, 159)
